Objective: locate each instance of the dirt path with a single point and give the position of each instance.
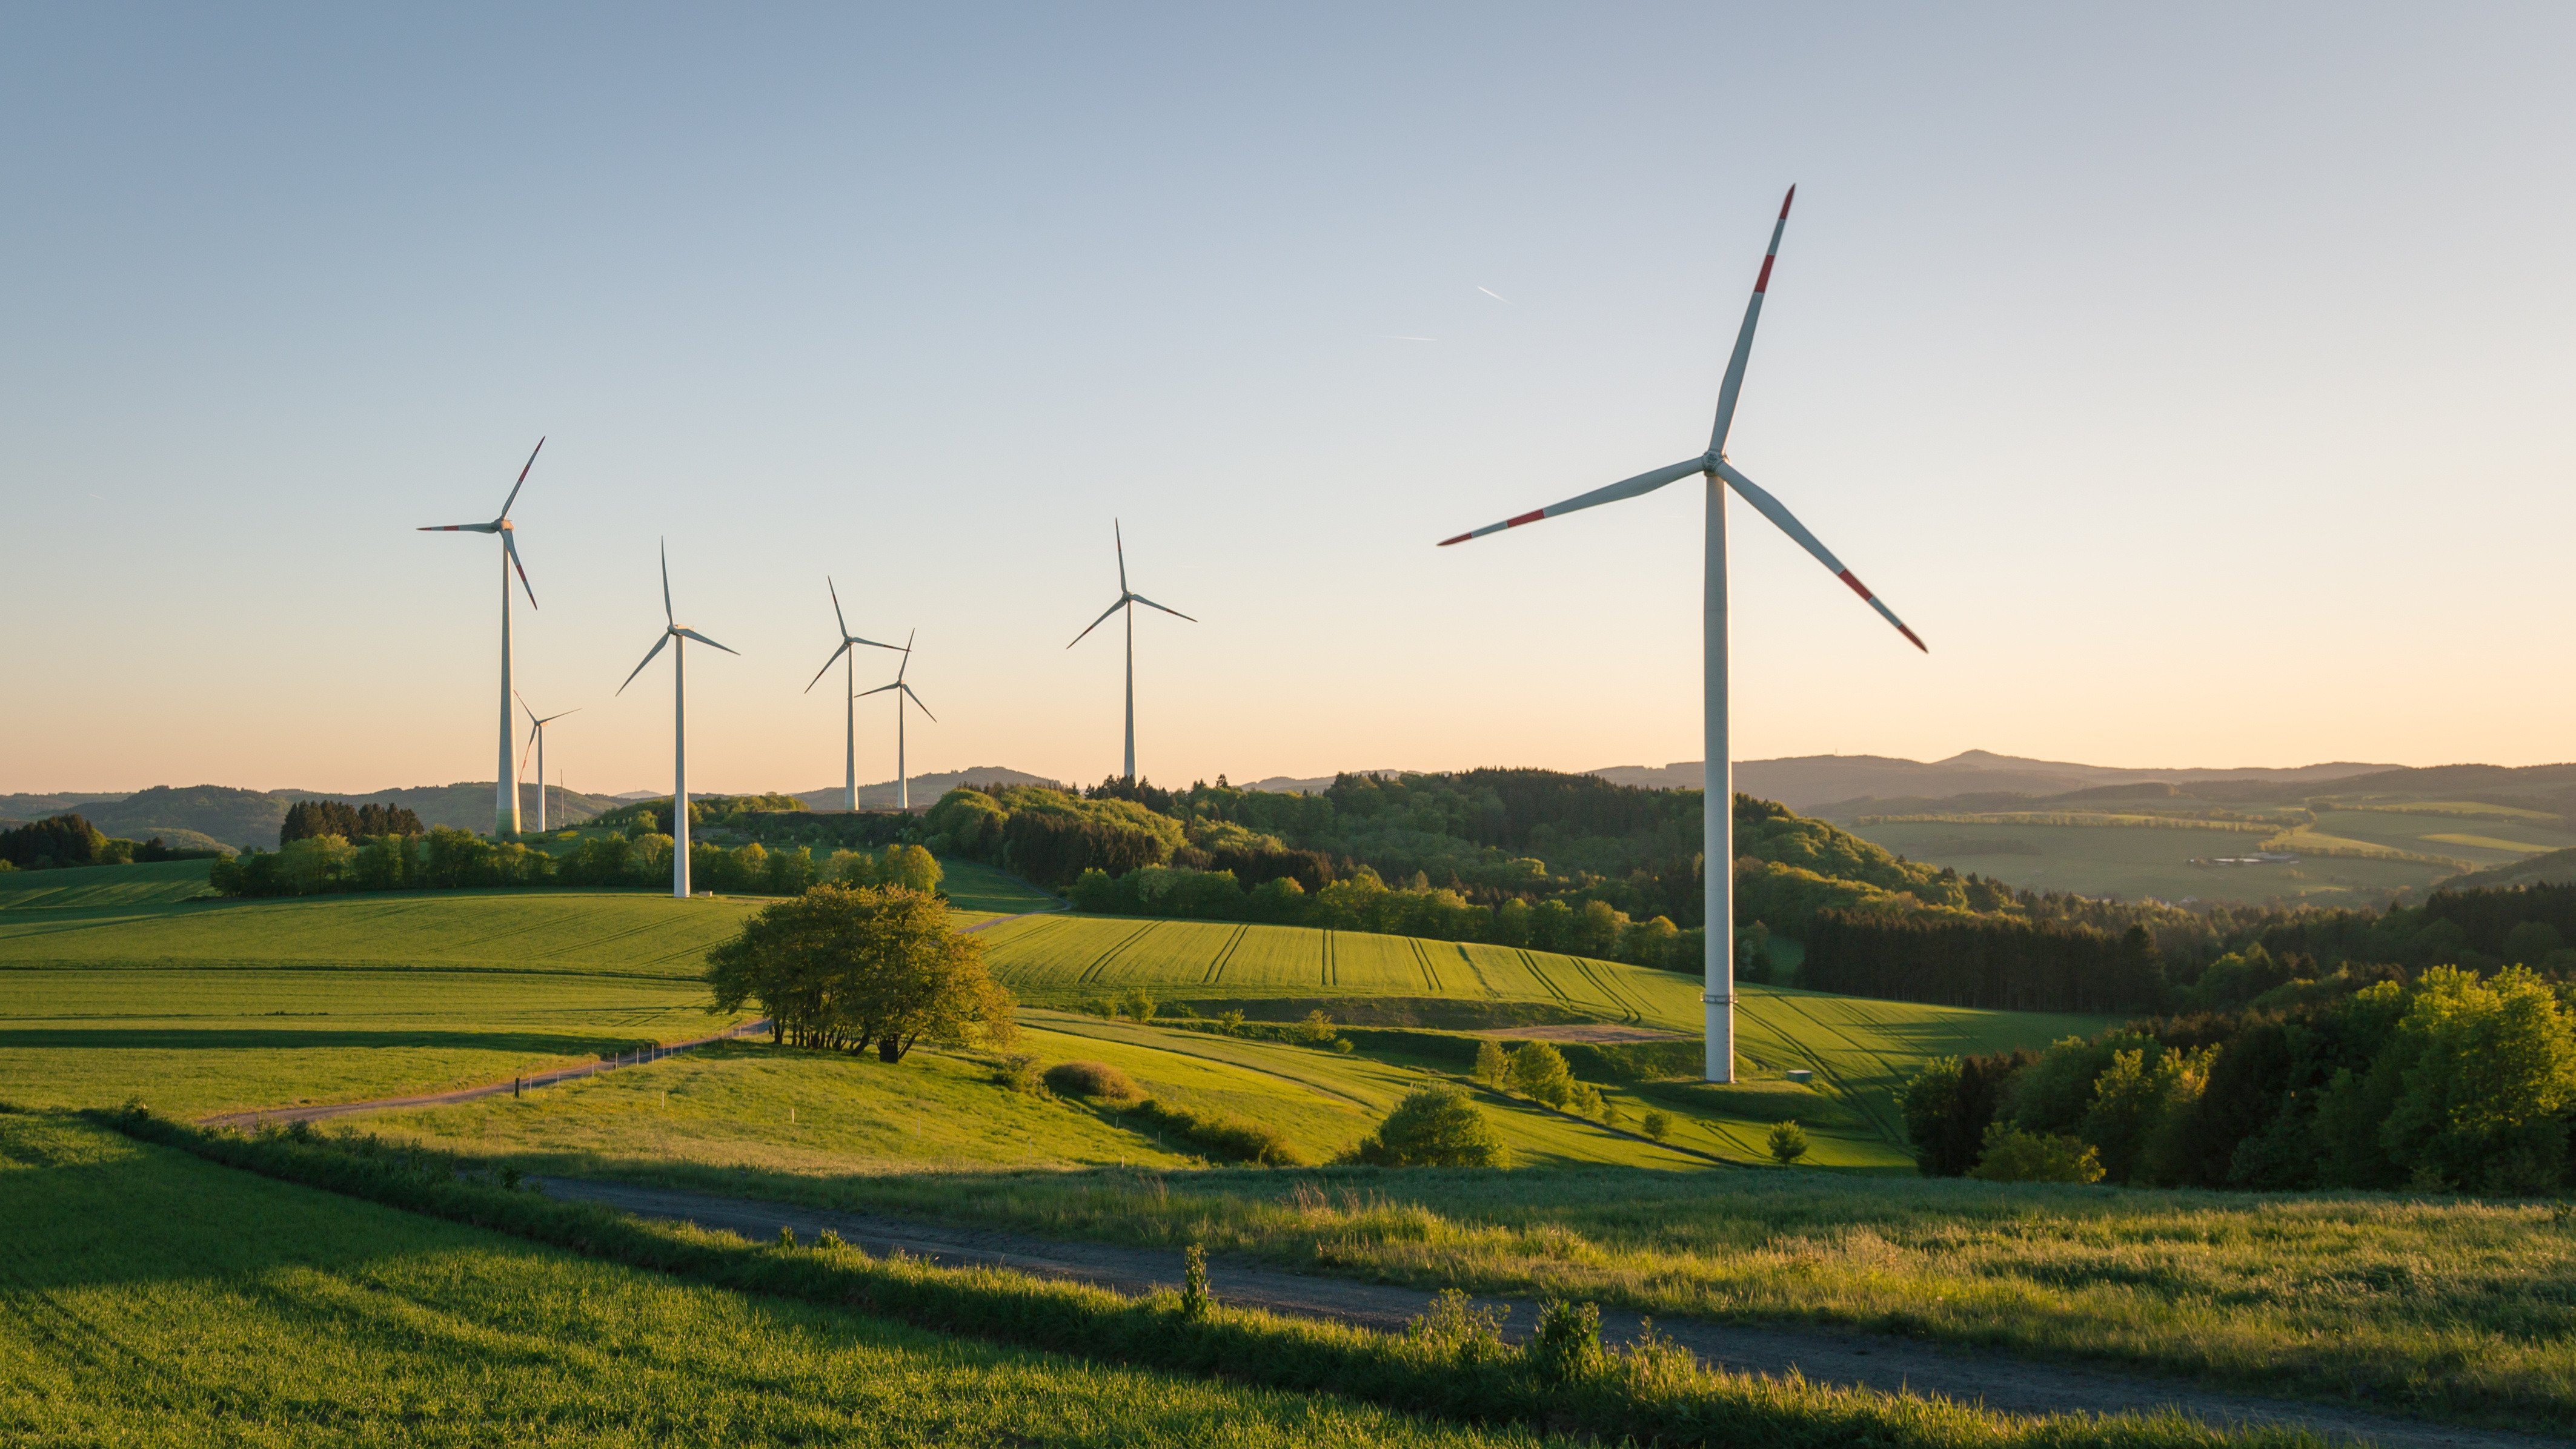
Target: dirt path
(639, 1057)
(2016, 1386)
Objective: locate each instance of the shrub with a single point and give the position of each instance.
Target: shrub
(1435, 1126)
(1788, 1142)
(1195, 1298)
(1491, 1065)
(2012, 1155)
(1092, 1079)
(1019, 1072)
(1137, 1005)
(1657, 1124)
(1221, 1135)
(1315, 1031)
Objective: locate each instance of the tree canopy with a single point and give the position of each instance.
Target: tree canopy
(849, 967)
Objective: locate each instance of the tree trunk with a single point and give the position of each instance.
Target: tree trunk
(888, 1049)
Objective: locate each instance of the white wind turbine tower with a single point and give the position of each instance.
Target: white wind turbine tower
(848, 654)
(1128, 599)
(903, 691)
(1718, 826)
(537, 742)
(506, 805)
(679, 725)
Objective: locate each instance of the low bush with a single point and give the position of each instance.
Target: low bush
(1435, 1126)
(1092, 1079)
(2013, 1155)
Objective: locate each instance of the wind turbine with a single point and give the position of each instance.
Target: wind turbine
(847, 653)
(537, 741)
(1128, 599)
(1718, 808)
(902, 777)
(679, 725)
(506, 803)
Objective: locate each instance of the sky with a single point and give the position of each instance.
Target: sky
(2194, 379)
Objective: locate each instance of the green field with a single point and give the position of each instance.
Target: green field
(2135, 863)
(1072, 960)
(2453, 1309)
(150, 1298)
(159, 883)
(203, 1007)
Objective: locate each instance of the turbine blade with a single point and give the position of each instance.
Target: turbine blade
(1119, 535)
(1770, 508)
(906, 666)
(648, 658)
(827, 666)
(510, 545)
(871, 643)
(916, 699)
(880, 689)
(667, 616)
(459, 528)
(523, 703)
(1734, 384)
(1626, 488)
(1150, 604)
(1094, 624)
(523, 754)
(550, 719)
(836, 606)
(703, 639)
(523, 479)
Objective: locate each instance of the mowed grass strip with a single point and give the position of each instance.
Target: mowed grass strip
(2452, 1310)
(573, 932)
(749, 1118)
(161, 882)
(193, 1042)
(150, 1298)
(707, 1118)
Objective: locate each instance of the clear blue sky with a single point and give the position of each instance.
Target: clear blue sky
(2195, 380)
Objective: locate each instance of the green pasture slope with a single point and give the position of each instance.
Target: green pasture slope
(203, 1006)
(2355, 849)
(1861, 1051)
(147, 1297)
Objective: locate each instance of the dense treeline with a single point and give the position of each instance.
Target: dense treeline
(2367, 1077)
(2009, 963)
(62, 841)
(307, 818)
(445, 859)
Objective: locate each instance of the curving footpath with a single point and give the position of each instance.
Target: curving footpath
(1881, 1362)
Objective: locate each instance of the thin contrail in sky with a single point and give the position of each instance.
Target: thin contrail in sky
(1497, 296)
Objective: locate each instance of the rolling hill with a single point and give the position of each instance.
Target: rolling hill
(250, 818)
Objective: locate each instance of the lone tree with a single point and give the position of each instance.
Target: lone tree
(849, 968)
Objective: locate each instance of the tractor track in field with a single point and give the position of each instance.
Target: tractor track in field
(1225, 956)
(1882, 1362)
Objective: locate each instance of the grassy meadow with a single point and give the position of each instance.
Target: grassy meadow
(151, 1298)
(2136, 862)
(197, 1007)
(2458, 1310)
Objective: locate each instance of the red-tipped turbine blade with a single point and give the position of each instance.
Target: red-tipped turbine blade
(1769, 507)
(1625, 488)
(510, 546)
(1734, 384)
(523, 479)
